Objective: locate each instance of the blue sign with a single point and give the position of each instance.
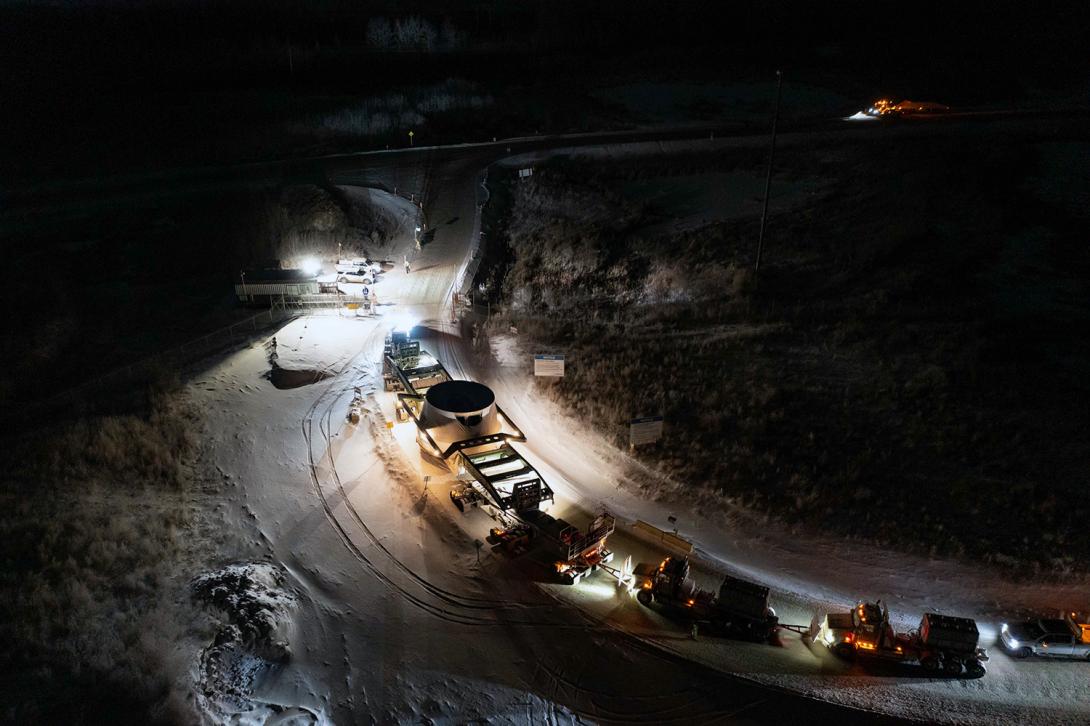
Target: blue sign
(646, 419)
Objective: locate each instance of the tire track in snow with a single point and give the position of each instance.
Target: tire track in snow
(484, 611)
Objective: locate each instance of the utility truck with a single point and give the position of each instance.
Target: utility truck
(739, 609)
(574, 553)
(942, 644)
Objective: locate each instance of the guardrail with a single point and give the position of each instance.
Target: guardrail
(669, 540)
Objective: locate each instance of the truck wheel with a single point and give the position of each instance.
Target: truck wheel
(975, 669)
(931, 663)
(644, 596)
(951, 666)
(845, 651)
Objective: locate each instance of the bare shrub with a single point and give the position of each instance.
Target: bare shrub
(884, 358)
(94, 510)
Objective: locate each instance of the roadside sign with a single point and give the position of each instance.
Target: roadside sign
(646, 430)
(524, 173)
(549, 365)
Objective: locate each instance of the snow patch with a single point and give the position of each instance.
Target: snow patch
(257, 606)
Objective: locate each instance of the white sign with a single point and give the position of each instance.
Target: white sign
(549, 365)
(646, 430)
(523, 173)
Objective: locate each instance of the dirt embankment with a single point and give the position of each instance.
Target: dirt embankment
(904, 371)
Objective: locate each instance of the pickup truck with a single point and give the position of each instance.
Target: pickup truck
(1067, 637)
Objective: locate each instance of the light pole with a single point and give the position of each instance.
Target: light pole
(768, 179)
(243, 273)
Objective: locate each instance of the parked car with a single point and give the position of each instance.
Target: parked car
(1065, 637)
(358, 265)
(363, 275)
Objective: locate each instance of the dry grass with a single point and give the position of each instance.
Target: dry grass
(94, 513)
(887, 378)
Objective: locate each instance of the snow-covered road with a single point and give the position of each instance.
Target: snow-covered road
(394, 619)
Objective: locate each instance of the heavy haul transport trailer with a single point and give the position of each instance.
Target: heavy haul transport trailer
(573, 553)
(511, 482)
(408, 369)
(942, 644)
(740, 609)
(460, 426)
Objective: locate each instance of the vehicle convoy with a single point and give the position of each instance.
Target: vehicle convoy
(885, 108)
(460, 426)
(942, 644)
(1066, 637)
(740, 609)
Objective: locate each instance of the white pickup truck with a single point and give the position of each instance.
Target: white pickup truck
(1066, 637)
(359, 264)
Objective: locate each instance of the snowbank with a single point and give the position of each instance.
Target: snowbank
(257, 605)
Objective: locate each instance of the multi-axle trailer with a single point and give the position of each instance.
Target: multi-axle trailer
(460, 426)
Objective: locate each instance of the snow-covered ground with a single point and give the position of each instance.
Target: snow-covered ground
(370, 601)
(380, 611)
(807, 575)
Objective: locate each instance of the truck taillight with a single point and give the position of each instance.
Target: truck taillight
(849, 637)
